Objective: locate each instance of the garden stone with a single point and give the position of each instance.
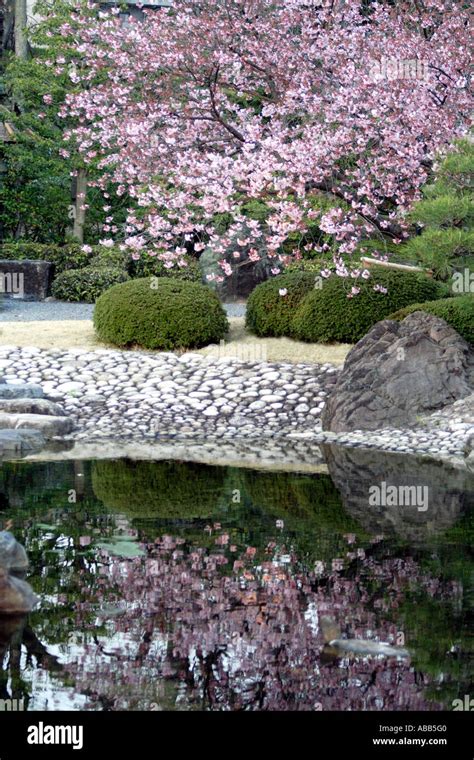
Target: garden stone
(47, 424)
(70, 387)
(28, 280)
(20, 390)
(399, 371)
(211, 411)
(31, 406)
(16, 596)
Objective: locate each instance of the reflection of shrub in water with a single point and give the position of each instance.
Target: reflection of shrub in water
(307, 497)
(158, 489)
(309, 505)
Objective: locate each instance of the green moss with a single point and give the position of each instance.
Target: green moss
(327, 314)
(457, 312)
(268, 312)
(160, 313)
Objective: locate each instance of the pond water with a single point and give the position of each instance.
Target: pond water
(182, 586)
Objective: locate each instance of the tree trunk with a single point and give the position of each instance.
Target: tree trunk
(79, 219)
(21, 44)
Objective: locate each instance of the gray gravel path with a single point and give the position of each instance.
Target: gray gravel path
(14, 310)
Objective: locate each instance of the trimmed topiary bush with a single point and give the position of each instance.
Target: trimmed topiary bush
(458, 312)
(160, 313)
(268, 312)
(86, 284)
(327, 314)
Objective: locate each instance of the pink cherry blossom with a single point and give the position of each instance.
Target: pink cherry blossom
(190, 112)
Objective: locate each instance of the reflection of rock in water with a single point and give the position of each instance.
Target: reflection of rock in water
(355, 471)
(336, 647)
(9, 626)
(12, 554)
(16, 596)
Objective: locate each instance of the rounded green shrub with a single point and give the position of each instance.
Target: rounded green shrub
(269, 313)
(87, 284)
(458, 312)
(327, 314)
(160, 313)
(170, 490)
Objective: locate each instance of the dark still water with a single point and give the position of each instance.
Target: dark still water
(173, 585)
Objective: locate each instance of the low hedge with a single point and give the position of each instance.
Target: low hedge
(160, 313)
(327, 314)
(63, 257)
(72, 256)
(268, 312)
(86, 284)
(457, 312)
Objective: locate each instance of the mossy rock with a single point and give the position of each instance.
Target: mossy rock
(269, 314)
(328, 315)
(160, 313)
(171, 490)
(458, 312)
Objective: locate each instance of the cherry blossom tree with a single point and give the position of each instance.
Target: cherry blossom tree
(199, 108)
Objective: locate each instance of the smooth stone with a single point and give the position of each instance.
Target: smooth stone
(31, 406)
(20, 390)
(47, 424)
(211, 411)
(23, 439)
(70, 387)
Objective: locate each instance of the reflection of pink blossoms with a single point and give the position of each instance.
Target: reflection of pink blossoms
(245, 633)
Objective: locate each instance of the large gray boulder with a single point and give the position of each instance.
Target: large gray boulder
(398, 372)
